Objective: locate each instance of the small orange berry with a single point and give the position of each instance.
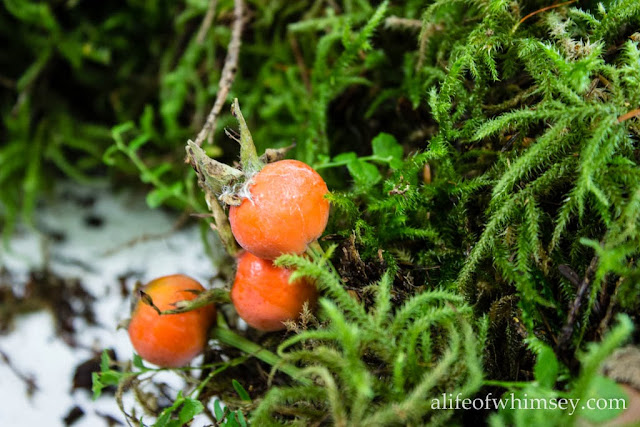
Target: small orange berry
(263, 296)
(287, 210)
(170, 340)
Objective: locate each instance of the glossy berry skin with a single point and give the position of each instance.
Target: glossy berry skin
(170, 340)
(286, 211)
(263, 296)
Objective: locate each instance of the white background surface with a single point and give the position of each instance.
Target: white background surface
(34, 348)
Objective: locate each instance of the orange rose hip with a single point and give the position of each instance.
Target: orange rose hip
(263, 296)
(286, 211)
(170, 340)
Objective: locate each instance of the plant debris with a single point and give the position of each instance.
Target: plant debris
(65, 298)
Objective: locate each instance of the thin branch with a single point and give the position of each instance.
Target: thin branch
(228, 73)
(613, 301)
(512, 102)
(222, 225)
(428, 30)
(304, 72)
(210, 296)
(207, 21)
(403, 23)
(180, 222)
(544, 9)
(570, 275)
(629, 115)
(567, 329)
(28, 379)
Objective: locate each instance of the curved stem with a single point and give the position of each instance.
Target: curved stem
(210, 296)
(315, 247)
(371, 158)
(230, 338)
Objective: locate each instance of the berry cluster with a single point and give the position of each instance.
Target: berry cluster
(275, 207)
(285, 211)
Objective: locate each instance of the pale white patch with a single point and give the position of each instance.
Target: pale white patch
(97, 256)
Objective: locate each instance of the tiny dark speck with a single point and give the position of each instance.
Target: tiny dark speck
(57, 236)
(74, 415)
(93, 221)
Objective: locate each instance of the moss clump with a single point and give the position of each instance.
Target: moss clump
(482, 155)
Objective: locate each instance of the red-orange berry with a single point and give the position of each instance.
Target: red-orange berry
(170, 340)
(263, 296)
(286, 210)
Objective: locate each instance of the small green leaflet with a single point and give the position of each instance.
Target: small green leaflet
(386, 146)
(241, 391)
(365, 174)
(546, 368)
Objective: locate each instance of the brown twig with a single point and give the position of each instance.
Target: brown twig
(228, 73)
(27, 379)
(207, 21)
(304, 72)
(570, 275)
(427, 30)
(221, 225)
(403, 23)
(567, 329)
(544, 9)
(604, 323)
(629, 115)
(182, 220)
(210, 296)
(127, 383)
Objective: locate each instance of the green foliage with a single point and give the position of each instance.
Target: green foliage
(73, 71)
(588, 388)
(184, 408)
(228, 419)
(365, 174)
(482, 157)
(426, 347)
(181, 193)
(576, 157)
(106, 376)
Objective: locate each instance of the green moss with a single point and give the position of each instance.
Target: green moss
(525, 118)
